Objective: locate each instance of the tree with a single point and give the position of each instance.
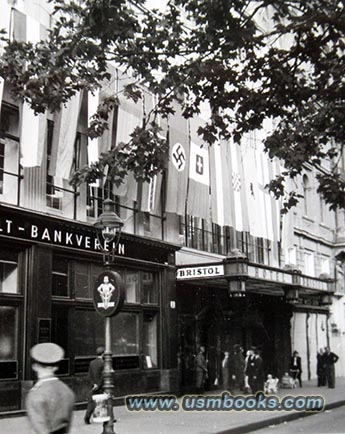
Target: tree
(249, 61)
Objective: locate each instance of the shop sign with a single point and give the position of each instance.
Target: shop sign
(57, 234)
(108, 293)
(200, 272)
(269, 274)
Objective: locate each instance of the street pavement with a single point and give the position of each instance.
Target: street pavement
(331, 421)
(195, 422)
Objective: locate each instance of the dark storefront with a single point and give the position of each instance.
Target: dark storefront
(48, 268)
(235, 302)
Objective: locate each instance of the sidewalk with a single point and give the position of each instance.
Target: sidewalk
(181, 422)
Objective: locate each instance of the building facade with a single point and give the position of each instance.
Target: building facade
(221, 270)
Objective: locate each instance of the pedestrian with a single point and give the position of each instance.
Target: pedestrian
(254, 371)
(296, 367)
(226, 371)
(259, 376)
(330, 360)
(247, 368)
(95, 377)
(201, 370)
(321, 368)
(239, 364)
(50, 402)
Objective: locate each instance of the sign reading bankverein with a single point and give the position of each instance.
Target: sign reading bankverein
(108, 293)
(54, 232)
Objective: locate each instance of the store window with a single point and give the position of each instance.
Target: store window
(8, 333)
(89, 334)
(82, 284)
(60, 277)
(132, 285)
(8, 272)
(150, 339)
(125, 334)
(8, 342)
(150, 288)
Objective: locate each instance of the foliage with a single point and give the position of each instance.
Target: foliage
(248, 60)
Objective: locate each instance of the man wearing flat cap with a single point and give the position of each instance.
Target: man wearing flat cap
(50, 402)
(96, 379)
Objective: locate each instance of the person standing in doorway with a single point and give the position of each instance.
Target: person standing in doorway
(201, 370)
(50, 402)
(296, 367)
(95, 377)
(330, 360)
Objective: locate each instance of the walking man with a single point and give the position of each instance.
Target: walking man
(50, 402)
(96, 379)
(330, 360)
(296, 367)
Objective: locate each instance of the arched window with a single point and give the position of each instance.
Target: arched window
(306, 194)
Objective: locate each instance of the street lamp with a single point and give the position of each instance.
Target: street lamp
(108, 295)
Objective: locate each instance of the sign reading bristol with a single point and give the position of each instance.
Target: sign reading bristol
(108, 293)
(200, 272)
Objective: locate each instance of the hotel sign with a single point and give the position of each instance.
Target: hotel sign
(269, 275)
(200, 272)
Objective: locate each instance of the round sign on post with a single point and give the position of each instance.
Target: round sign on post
(108, 293)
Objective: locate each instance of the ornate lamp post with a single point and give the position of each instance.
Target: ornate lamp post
(108, 296)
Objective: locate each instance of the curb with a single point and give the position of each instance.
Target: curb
(254, 426)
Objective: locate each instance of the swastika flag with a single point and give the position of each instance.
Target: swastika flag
(177, 181)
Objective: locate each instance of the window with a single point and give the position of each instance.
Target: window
(8, 333)
(150, 288)
(60, 277)
(309, 267)
(90, 332)
(147, 222)
(60, 331)
(306, 194)
(325, 265)
(82, 284)
(8, 272)
(132, 281)
(9, 121)
(125, 334)
(260, 249)
(150, 350)
(291, 257)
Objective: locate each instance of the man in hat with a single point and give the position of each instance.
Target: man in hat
(50, 402)
(96, 379)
